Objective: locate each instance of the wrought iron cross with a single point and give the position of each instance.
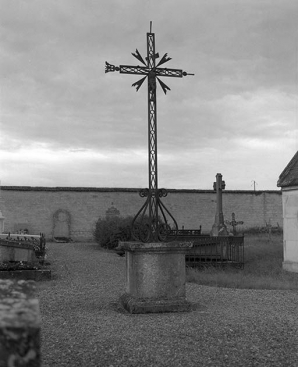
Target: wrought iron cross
(151, 227)
(234, 223)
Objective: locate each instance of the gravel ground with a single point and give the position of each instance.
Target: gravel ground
(83, 324)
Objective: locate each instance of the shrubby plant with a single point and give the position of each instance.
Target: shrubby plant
(108, 231)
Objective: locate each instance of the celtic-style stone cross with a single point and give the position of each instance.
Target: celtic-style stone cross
(151, 223)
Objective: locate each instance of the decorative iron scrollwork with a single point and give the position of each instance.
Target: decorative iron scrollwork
(154, 228)
(162, 193)
(144, 193)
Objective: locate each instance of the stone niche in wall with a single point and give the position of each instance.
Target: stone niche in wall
(61, 225)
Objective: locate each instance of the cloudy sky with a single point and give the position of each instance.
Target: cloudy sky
(64, 122)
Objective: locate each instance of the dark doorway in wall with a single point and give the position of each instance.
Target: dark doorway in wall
(61, 226)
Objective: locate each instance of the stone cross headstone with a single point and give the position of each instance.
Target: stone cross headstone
(219, 228)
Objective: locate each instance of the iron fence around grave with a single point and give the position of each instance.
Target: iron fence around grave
(212, 250)
(206, 251)
(216, 251)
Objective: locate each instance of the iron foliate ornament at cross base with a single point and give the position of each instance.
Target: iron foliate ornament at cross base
(151, 223)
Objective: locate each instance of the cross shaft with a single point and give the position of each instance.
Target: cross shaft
(152, 228)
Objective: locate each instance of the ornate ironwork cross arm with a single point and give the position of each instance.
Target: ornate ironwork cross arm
(171, 72)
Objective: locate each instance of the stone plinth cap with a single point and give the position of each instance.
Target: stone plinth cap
(18, 305)
(175, 246)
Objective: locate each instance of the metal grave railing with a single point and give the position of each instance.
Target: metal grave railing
(216, 251)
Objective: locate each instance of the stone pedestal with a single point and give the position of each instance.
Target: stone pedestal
(155, 277)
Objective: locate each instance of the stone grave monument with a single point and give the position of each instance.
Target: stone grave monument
(219, 228)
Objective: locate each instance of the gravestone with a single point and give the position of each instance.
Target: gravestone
(61, 224)
(219, 228)
(112, 212)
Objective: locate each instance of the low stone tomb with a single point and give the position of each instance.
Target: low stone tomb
(155, 277)
(19, 324)
(13, 250)
(22, 257)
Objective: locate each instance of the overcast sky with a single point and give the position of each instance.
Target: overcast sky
(64, 122)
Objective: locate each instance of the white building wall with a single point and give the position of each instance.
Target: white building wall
(290, 225)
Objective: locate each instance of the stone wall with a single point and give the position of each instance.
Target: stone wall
(35, 207)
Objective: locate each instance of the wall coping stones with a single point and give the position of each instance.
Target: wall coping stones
(19, 324)
(119, 189)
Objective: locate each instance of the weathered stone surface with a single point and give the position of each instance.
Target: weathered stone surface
(155, 277)
(19, 324)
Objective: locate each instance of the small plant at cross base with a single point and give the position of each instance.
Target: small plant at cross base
(109, 231)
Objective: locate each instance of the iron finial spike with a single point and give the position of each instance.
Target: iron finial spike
(185, 73)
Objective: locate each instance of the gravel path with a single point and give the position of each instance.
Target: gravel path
(83, 325)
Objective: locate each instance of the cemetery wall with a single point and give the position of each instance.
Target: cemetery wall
(36, 208)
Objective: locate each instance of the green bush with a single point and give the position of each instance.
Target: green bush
(108, 231)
